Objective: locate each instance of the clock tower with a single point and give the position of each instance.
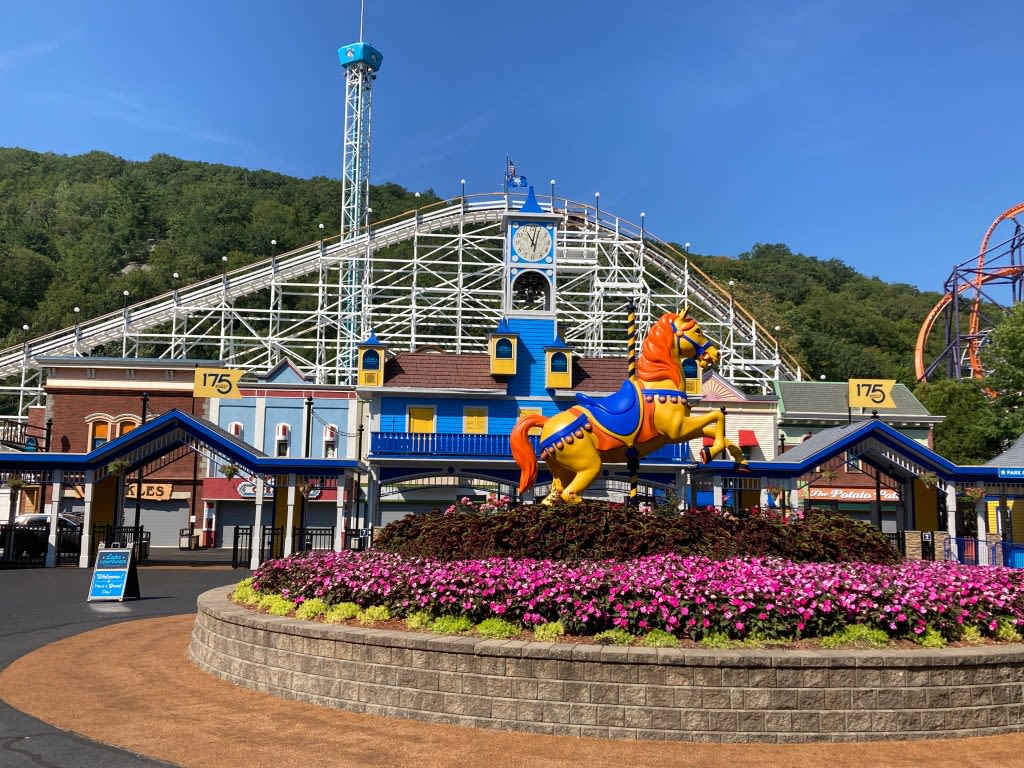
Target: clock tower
(530, 263)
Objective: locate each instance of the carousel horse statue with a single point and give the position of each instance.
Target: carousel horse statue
(649, 410)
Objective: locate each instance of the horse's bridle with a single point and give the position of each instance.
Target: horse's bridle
(699, 350)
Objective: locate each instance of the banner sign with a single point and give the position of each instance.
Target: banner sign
(216, 382)
(871, 393)
(851, 494)
(153, 491)
(1011, 472)
(114, 577)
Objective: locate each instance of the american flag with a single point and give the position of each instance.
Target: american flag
(511, 179)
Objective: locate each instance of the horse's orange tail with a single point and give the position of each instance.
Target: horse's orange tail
(522, 451)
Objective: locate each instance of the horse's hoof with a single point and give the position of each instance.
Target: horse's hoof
(742, 466)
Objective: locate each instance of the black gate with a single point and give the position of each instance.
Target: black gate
(123, 536)
(898, 540)
(306, 539)
(241, 548)
(24, 546)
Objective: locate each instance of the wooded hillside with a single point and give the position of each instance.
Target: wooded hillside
(75, 230)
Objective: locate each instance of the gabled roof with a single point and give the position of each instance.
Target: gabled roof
(439, 371)
(1011, 457)
(827, 401)
(872, 440)
(162, 435)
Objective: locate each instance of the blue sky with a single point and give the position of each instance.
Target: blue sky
(881, 133)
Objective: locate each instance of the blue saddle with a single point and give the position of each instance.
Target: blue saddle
(618, 413)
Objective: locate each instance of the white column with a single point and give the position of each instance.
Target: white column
(290, 521)
(257, 526)
(83, 558)
(57, 490)
(339, 512)
(717, 491)
(682, 489)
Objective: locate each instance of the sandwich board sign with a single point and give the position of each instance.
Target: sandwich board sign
(114, 576)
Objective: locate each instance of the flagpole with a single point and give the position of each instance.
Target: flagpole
(504, 184)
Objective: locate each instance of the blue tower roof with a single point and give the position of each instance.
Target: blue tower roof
(360, 53)
(530, 205)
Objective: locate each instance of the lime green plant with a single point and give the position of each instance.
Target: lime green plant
(856, 636)
(717, 640)
(418, 620)
(244, 594)
(615, 636)
(373, 614)
(451, 625)
(276, 605)
(341, 612)
(311, 609)
(1006, 630)
(498, 629)
(931, 638)
(550, 632)
(659, 638)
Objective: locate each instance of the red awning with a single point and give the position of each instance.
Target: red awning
(747, 438)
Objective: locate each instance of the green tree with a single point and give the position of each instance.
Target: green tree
(972, 432)
(1004, 356)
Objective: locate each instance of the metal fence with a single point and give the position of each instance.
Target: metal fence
(969, 551)
(25, 546)
(122, 536)
(307, 539)
(271, 545)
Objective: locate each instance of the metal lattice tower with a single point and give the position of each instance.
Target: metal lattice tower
(430, 277)
(361, 61)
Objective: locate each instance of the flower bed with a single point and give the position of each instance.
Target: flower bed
(689, 597)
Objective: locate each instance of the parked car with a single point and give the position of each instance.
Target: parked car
(32, 532)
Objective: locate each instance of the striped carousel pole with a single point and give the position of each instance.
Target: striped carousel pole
(632, 455)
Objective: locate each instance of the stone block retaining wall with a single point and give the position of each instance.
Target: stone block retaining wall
(616, 692)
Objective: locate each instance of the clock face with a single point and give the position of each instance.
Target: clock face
(532, 242)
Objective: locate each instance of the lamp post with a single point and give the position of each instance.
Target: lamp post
(321, 237)
(597, 211)
(552, 195)
(138, 480)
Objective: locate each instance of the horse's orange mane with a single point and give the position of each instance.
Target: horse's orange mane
(656, 360)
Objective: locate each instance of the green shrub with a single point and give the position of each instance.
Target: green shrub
(856, 636)
(1006, 630)
(498, 629)
(311, 609)
(931, 638)
(418, 620)
(970, 634)
(614, 636)
(717, 640)
(550, 632)
(659, 638)
(373, 614)
(603, 531)
(276, 605)
(244, 594)
(336, 614)
(451, 625)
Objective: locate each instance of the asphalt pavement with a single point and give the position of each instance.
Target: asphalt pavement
(45, 605)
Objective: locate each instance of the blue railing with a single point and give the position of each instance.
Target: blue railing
(484, 446)
(969, 551)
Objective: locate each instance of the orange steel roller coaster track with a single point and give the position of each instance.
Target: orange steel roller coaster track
(980, 276)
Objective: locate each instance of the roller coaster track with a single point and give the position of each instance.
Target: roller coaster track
(430, 277)
(989, 269)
